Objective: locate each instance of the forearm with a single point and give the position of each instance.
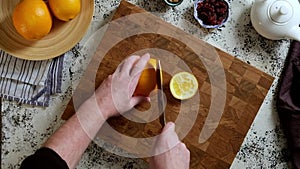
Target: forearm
(71, 139)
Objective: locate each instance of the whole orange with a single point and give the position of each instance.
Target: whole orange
(147, 81)
(65, 10)
(32, 19)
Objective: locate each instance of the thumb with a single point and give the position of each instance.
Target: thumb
(169, 126)
(167, 140)
(168, 133)
(138, 99)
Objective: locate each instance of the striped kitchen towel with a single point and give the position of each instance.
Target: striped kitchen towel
(29, 82)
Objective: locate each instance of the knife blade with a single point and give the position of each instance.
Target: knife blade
(160, 93)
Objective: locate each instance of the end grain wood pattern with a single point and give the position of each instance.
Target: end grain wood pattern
(246, 88)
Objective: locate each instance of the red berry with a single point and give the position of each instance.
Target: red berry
(212, 12)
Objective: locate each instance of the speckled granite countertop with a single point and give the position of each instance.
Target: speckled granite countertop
(25, 128)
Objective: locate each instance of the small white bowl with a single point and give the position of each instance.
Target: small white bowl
(173, 4)
(205, 25)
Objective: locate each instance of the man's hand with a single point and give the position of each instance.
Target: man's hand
(114, 95)
(177, 157)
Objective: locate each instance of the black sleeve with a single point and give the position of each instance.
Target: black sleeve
(288, 102)
(44, 158)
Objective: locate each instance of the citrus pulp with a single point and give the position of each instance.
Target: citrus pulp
(183, 85)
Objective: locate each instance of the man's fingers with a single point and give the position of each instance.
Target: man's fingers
(169, 133)
(169, 126)
(137, 99)
(128, 63)
(183, 145)
(133, 83)
(168, 137)
(140, 65)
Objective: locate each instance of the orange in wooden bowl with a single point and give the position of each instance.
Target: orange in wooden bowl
(62, 37)
(32, 19)
(147, 81)
(65, 10)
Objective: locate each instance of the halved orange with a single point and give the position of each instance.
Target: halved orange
(183, 85)
(147, 81)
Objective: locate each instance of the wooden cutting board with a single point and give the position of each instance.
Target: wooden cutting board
(245, 86)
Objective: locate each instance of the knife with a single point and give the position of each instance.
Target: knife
(160, 94)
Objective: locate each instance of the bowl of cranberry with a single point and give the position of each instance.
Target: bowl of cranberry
(211, 13)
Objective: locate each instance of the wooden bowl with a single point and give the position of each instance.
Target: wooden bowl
(63, 35)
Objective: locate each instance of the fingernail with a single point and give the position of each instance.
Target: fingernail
(171, 124)
(147, 55)
(148, 99)
(137, 56)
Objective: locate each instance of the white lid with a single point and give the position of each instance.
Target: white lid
(281, 11)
